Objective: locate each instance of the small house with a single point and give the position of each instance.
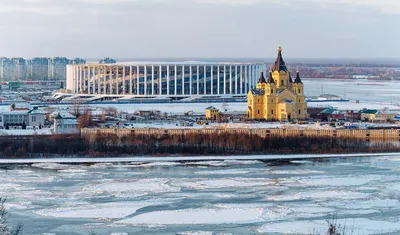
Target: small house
(212, 113)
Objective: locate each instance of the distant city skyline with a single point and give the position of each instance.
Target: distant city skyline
(122, 29)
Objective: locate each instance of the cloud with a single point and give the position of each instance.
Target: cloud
(62, 7)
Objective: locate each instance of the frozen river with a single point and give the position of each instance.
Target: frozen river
(209, 197)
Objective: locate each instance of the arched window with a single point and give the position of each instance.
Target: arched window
(258, 111)
(272, 91)
(299, 111)
(272, 111)
(282, 83)
(299, 91)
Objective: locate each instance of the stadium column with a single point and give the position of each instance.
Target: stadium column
(190, 79)
(224, 79)
(218, 80)
(168, 79)
(110, 78)
(117, 80)
(160, 81)
(123, 80)
(241, 79)
(230, 80)
(145, 79)
(152, 80)
(198, 80)
(212, 80)
(84, 79)
(250, 77)
(76, 80)
(236, 78)
(246, 81)
(80, 79)
(183, 79)
(176, 80)
(98, 80)
(130, 79)
(137, 80)
(93, 80)
(205, 80)
(88, 82)
(105, 71)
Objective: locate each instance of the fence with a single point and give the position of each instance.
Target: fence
(378, 135)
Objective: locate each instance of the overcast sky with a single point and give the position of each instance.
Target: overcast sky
(200, 28)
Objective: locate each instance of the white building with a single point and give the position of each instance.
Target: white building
(31, 117)
(172, 80)
(65, 124)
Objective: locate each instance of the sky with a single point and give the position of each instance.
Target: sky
(200, 28)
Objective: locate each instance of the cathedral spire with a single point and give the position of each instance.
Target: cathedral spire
(262, 78)
(280, 63)
(270, 78)
(298, 79)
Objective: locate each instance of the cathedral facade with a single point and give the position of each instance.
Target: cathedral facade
(277, 98)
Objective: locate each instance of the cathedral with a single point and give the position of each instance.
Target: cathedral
(277, 98)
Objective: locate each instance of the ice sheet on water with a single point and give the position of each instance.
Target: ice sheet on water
(319, 195)
(161, 164)
(227, 172)
(242, 162)
(196, 233)
(124, 188)
(294, 172)
(365, 204)
(52, 166)
(225, 183)
(357, 226)
(197, 216)
(301, 162)
(113, 210)
(9, 186)
(207, 163)
(340, 181)
(395, 186)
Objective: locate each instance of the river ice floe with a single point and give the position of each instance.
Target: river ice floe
(133, 188)
(197, 216)
(224, 183)
(96, 211)
(318, 196)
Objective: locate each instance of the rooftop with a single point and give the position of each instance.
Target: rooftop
(174, 63)
(257, 91)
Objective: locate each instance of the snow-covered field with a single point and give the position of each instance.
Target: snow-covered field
(217, 196)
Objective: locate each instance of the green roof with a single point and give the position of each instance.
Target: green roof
(370, 111)
(328, 111)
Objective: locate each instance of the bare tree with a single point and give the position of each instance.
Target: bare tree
(4, 216)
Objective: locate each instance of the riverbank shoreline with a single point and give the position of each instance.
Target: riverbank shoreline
(193, 158)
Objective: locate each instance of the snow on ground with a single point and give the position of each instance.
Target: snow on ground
(43, 131)
(197, 216)
(357, 226)
(237, 107)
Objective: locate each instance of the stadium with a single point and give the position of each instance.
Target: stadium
(162, 80)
